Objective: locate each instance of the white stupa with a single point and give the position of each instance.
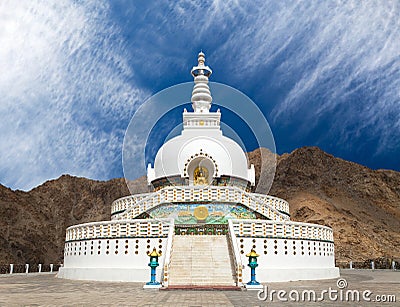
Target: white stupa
(201, 144)
(201, 217)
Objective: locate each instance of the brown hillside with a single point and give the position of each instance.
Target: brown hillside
(362, 206)
(32, 224)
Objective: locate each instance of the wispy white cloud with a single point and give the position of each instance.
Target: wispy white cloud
(327, 52)
(64, 87)
(324, 57)
(67, 75)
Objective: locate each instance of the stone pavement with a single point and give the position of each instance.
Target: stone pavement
(46, 290)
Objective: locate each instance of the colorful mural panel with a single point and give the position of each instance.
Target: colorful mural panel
(210, 213)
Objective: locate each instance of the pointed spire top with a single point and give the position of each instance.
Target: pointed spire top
(201, 69)
(201, 96)
(201, 58)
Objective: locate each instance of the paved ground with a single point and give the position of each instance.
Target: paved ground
(47, 290)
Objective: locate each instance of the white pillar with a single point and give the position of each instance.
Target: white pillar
(27, 268)
(51, 268)
(393, 265)
(351, 264)
(11, 268)
(372, 265)
(39, 267)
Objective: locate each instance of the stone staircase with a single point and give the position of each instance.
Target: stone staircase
(203, 260)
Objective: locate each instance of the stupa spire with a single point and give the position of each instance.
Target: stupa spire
(201, 95)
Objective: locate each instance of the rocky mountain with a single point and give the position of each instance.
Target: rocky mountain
(362, 206)
(32, 224)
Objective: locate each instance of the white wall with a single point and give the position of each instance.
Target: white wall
(285, 260)
(123, 259)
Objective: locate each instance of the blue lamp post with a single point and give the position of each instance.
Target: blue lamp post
(153, 264)
(253, 264)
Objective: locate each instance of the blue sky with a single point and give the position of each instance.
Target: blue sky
(72, 74)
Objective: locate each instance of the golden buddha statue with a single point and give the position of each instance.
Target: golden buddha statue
(200, 176)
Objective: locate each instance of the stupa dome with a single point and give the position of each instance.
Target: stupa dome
(182, 154)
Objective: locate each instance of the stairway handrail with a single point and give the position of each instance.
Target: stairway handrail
(236, 254)
(167, 259)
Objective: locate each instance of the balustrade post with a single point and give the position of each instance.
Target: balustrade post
(393, 265)
(372, 265)
(39, 268)
(11, 268)
(51, 268)
(351, 265)
(26, 268)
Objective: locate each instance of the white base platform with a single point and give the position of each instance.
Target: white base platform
(106, 274)
(294, 274)
(152, 287)
(253, 287)
(143, 275)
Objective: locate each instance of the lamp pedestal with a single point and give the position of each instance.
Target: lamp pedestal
(153, 264)
(253, 284)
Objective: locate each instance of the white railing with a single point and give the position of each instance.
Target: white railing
(167, 259)
(236, 254)
(286, 229)
(27, 268)
(138, 206)
(267, 206)
(276, 202)
(122, 203)
(120, 229)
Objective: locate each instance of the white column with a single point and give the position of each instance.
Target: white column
(351, 264)
(27, 268)
(372, 265)
(393, 265)
(11, 268)
(39, 267)
(51, 268)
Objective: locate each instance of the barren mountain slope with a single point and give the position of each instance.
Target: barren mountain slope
(362, 206)
(32, 224)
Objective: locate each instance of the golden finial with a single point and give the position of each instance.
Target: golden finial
(252, 253)
(154, 253)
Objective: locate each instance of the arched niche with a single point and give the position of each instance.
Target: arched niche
(201, 171)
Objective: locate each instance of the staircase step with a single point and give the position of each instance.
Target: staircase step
(192, 281)
(204, 288)
(201, 260)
